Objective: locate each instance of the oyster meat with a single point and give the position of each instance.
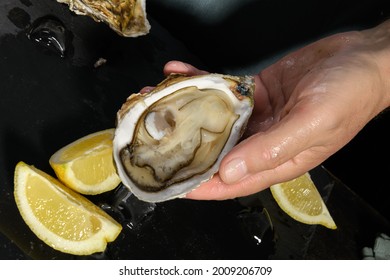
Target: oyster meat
(126, 17)
(167, 142)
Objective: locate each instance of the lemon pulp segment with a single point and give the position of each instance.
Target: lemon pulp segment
(86, 165)
(300, 199)
(97, 141)
(95, 168)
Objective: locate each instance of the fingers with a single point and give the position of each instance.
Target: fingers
(175, 66)
(284, 151)
(181, 67)
(146, 89)
(266, 151)
(216, 189)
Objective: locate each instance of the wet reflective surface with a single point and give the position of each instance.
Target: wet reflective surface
(51, 33)
(52, 93)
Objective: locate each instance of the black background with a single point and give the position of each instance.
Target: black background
(47, 101)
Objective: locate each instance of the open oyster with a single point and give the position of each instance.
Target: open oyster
(167, 142)
(126, 17)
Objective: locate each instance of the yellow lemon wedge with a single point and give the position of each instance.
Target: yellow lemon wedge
(300, 199)
(60, 217)
(86, 165)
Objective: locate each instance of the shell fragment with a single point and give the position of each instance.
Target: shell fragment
(126, 17)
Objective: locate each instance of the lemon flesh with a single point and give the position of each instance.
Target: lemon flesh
(300, 199)
(86, 165)
(60, 217)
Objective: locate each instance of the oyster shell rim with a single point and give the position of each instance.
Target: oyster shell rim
(239, 87)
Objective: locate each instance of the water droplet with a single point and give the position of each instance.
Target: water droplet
(127, 208)
(258, 239)
(51, 33)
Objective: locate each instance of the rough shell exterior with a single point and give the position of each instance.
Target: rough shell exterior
(126, 17)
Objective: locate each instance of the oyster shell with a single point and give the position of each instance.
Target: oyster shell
(126, 17)
(167, 142)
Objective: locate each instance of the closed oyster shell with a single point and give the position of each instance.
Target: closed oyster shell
(126, 17)
(167, 142)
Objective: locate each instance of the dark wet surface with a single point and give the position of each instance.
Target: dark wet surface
(52, 34)
(53, 92)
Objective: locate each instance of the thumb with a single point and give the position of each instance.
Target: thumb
(289, 140)
(249, 157)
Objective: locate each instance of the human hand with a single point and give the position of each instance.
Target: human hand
(308, 105)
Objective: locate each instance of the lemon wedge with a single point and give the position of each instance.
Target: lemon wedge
(86, 165)
(300, 199)
(60, 217)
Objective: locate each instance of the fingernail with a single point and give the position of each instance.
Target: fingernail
(234, 171)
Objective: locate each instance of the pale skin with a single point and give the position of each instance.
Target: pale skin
(308, 105)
